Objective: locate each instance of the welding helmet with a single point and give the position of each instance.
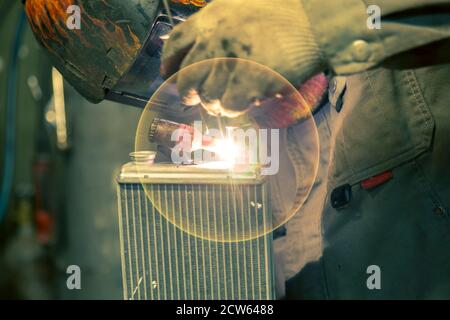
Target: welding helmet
(114, 50)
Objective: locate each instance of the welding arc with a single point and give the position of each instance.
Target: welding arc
(242, 228)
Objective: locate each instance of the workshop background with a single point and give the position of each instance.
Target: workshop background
(59, 194)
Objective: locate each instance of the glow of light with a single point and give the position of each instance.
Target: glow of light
(227, 151)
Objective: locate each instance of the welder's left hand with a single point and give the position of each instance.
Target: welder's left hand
(274, 33)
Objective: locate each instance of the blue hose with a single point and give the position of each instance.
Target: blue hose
(10, 134)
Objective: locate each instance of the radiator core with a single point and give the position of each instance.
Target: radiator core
(162, 262)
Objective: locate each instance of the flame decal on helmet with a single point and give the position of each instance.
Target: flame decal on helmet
(197, 3)
(46, 18)
(48, 21)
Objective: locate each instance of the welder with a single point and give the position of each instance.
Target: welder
(383, 201)
(387, 189)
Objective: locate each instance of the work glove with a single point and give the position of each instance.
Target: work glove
(273, 33)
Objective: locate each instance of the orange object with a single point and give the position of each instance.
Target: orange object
(377, 180)
(197, 3)
(44, 226)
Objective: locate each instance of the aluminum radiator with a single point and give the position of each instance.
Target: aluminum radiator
(162, 262)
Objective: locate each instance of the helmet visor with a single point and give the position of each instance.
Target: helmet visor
(139, 83)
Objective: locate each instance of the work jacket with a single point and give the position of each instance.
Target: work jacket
(376, 224)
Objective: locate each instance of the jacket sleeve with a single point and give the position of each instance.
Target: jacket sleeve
(342, 29)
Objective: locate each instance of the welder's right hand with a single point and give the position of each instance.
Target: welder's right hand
(274, 33)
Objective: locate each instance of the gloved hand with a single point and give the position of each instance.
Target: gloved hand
(274, 33)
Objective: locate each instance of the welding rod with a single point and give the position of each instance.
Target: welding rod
(161, 131)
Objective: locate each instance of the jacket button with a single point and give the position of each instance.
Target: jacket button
(361, 51)
(341, 196)
(439, 211)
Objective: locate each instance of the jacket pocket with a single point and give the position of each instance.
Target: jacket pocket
(385, 121)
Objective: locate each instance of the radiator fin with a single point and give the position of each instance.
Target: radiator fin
(162, 262)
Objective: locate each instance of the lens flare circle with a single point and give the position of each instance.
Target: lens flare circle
(240, 203)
